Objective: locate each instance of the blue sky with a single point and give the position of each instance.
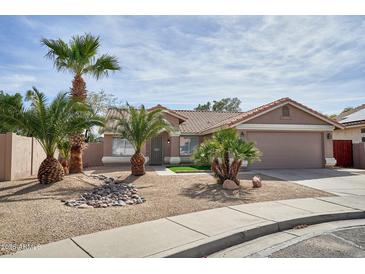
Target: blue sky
(181, 61)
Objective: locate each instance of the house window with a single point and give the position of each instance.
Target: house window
(285, 111)
(122, 147)
(187, 144)
(363, 139)
(363, 130)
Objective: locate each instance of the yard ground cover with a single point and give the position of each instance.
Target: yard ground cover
(34, 214)
(178, 169)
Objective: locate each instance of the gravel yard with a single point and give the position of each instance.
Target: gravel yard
(32, 214)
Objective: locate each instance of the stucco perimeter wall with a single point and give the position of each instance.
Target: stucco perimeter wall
(3, 157)
(20, 156)
(93, 154)
(353, 134)
(359, 155)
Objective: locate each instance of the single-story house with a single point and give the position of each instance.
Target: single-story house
(350, 141)
(288, 134)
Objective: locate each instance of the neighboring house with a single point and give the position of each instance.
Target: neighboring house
(289, 135)
(350, 141)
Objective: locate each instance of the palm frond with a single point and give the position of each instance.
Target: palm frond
(139, 125)
(52, 123)
(102, 66)
(80, 56)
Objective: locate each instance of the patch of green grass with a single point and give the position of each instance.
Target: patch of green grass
(178, 169)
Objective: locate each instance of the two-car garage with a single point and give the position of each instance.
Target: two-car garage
(288, 149)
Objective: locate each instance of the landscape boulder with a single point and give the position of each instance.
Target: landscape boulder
(256, 182)
(230, 185)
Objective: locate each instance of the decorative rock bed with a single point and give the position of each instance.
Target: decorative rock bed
(113, 192)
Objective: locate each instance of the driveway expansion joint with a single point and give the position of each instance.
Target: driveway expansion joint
(168, 218)
(79, 246)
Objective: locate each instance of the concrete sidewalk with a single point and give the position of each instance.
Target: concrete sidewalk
(202, 233)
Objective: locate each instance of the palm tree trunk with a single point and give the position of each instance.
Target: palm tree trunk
(76, 164)
(78, 92)
(65, 165)
(50, 171)
(226, 163)
(235, 167)
(217, 170)
(137, 164)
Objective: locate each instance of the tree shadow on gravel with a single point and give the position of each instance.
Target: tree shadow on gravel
(215, 192)
(34, 186)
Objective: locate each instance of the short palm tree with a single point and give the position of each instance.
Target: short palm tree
(64, 148)
(50, 124)
(225, 152)
(137, 126)
(80, 58)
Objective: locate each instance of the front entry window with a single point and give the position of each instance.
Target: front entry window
(187, 144)
(122, 147)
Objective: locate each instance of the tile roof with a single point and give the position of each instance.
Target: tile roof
(253, 112)
(171, 111)
(204, 122)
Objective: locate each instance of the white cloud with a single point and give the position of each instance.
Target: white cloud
(189, 60)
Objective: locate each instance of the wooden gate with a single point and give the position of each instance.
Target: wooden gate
(342, 151)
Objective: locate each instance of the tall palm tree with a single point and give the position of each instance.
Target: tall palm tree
(79, 57)
(225, 152)
(137, 126)
(50, 124)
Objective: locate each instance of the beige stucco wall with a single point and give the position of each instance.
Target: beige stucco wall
(353, 134)
(108, 143)
(297, 116)
(327, 145)
(20, 157)
(93, 154)
(38, 156)
(175, 146)
(3, 157)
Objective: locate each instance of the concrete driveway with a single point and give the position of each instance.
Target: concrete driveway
(341, 182)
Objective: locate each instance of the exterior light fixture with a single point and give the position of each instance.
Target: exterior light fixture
(168, 140)
(329, 136)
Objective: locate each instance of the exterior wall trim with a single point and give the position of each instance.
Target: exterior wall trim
(172, 160)
(119, 159)
(286, 127)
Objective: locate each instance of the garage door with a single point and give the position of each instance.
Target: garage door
(288, 149)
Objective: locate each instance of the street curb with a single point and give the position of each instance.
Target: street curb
(214, 244)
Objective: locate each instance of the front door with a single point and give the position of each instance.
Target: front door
(156, 150)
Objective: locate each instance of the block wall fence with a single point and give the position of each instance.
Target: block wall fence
(20, 156)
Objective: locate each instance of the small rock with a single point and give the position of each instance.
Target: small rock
(256, 182)
(229, 184)
(84, 206)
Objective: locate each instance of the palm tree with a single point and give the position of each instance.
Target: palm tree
(225, 152)
(64, 148)
(80, 58)
(50, 124)
(137, 126)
